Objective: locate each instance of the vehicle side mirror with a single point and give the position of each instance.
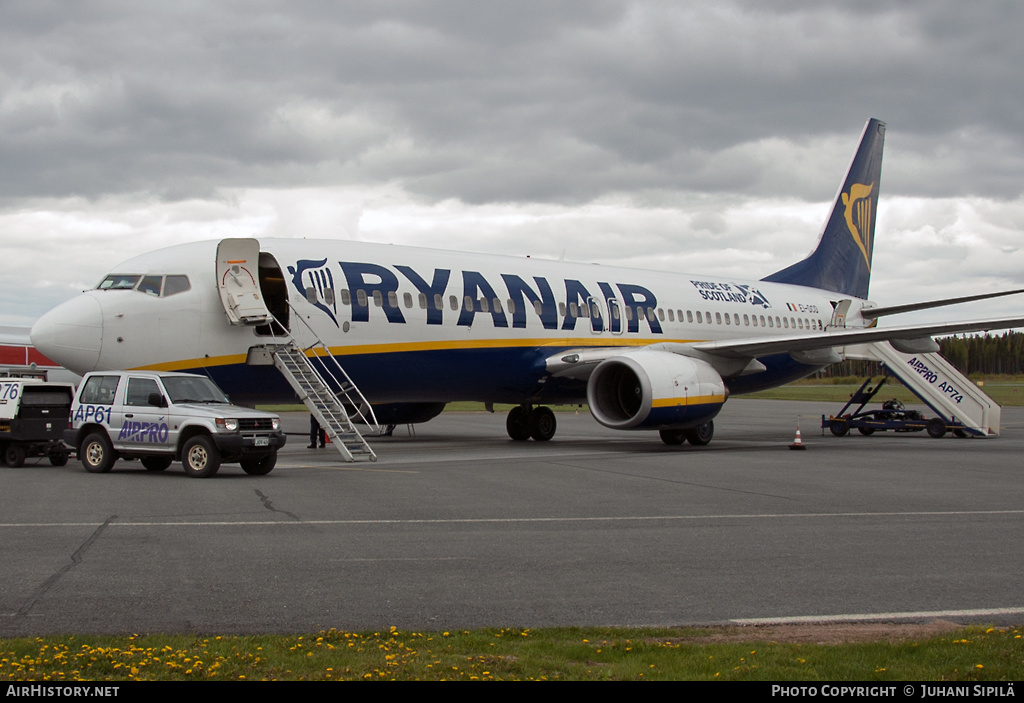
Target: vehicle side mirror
(157, 400)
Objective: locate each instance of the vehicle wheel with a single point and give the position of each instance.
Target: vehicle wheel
(59, 459)
(673, 437)
(699, 436)
(156, 463)
(517, 424)
(839, 427)
(97, 454)
(542, 424)
(199, 457)
(259, 466)
(14, 455)
(936, 428)
(866, 431)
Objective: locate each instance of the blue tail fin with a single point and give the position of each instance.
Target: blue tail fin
(842, 260)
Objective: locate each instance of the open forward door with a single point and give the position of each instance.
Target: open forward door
(238, 282)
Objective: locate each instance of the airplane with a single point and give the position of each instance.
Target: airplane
(417, 328)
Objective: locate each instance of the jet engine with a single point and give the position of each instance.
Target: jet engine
(652, 389)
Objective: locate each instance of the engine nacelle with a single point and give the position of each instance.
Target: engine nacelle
(649, 389)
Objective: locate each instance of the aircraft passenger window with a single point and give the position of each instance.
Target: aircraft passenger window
(176, 284)
(707, 316)
(800, 322)
(453, 302)
(746, 320)
(438, 302)
(392, 299)
(727, 320)
(718, 318)
(99, 390)
(311, 295)
(483, 305)
(361, 297)
(629, 313)
(650, 313)
(700, 318)
(467, 303)
(407, 298)
(736, 318)
(117, 281)
(328, 295)
(561, 309)
(778, 322)
(346, 297)
(497, 305)
(785, 322)
(661, 315)
(595, 311)
(423, 301)
(573, 310)
(150, 285)
(639, 313)
(689, 316)
(511, 306)
(538, 308)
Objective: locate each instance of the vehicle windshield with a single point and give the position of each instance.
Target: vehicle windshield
(193, 389)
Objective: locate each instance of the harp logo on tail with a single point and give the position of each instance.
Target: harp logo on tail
(858, 217)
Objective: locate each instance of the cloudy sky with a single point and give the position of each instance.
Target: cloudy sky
(700, 137)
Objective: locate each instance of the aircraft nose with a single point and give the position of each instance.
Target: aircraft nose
(71, 334)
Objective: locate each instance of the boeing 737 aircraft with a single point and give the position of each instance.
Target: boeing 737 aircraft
(418, 328)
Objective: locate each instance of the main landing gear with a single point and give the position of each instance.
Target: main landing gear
(697, 436)
(525, 421)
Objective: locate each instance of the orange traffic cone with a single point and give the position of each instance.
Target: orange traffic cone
(797, 442)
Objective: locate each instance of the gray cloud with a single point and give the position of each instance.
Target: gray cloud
(541, 101)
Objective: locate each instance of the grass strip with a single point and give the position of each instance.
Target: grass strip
(969, 654)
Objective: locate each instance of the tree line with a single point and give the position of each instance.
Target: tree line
(976, 354)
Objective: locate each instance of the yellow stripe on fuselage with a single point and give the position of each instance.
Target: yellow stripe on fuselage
(405, 347)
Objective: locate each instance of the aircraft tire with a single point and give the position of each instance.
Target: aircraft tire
(839, 427)
(199, 457)
(517, 424)
(866, 431)
(14, 455)
(936, 428)
(542, 424)
(259, 466)
(673, 438)
(156, 463)
(701, 435)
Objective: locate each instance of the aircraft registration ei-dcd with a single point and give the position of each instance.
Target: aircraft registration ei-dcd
(417, 328)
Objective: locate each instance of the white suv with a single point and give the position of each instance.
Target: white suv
(163, 417)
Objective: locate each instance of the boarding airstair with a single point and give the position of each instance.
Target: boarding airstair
(956, 399)
(327, 392)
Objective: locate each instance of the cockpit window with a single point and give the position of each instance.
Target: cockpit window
(117, 281)
(150, 285)
(176, 284)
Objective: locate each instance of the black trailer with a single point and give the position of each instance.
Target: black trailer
(33, 417)
(891, 416)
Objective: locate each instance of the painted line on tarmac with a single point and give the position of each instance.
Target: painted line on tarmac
(872, 617)
(512, 520)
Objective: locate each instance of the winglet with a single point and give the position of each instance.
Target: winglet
(841, 262)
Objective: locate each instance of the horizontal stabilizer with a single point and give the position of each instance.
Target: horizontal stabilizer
(872, 313)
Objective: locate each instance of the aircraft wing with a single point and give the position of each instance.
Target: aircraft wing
(750, 348)
(734, 354)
